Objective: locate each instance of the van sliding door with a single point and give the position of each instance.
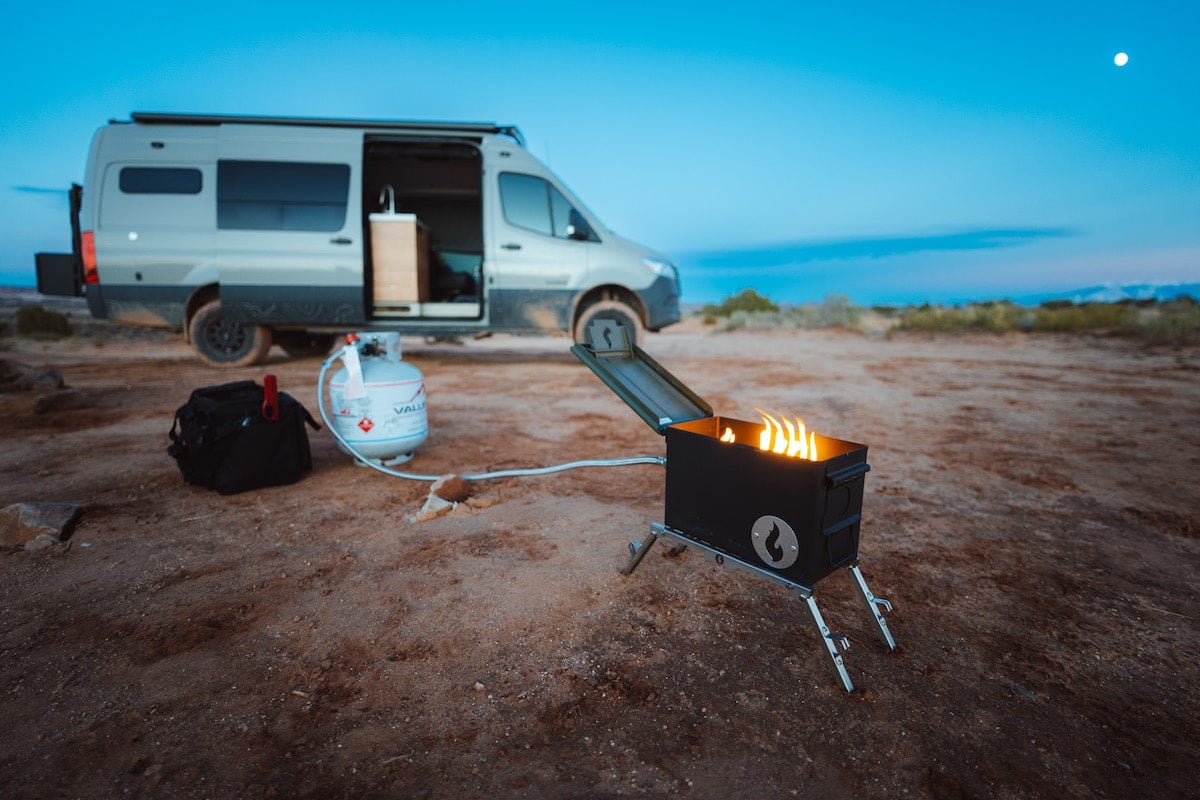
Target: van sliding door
(289, 224)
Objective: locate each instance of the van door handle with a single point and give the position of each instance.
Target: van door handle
(341, 240)
(511, 246)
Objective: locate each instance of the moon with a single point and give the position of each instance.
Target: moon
(1121, 59)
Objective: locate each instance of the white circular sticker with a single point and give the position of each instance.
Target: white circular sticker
(775, 542)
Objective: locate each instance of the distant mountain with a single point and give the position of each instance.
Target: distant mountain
(1114, 293)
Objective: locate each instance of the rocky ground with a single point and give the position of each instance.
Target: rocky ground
(1031, 513)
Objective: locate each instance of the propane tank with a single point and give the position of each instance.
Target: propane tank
(378, 400)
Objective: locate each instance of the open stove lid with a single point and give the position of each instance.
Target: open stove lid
(657, 396)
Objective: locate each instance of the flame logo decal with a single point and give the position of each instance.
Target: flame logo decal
(775, 542)
(772, 543)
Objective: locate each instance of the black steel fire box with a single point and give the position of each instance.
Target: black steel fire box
(798, 517)
(790, 520)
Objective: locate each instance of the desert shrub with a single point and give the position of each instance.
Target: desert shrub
(1112, 317)
(835, 311)
(752, 320)
(1000, 317)
(746, 300)
(38, 322)
(934, 319)
(1176, 323)
(1057, 304)
(993, 317)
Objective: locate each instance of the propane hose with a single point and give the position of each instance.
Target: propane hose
(476, 476)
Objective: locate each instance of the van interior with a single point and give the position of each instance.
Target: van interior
(440, 182)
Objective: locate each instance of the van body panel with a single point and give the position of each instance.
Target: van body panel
(151, 245)
(531, 309)
(273, 213)
(289, 238)
(662, 303)
(293, 306)
(141, 305)
(288, 243)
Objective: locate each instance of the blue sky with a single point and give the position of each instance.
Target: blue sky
(886, 151)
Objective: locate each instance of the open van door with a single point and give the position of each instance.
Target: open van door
(289, 225)
(61, 274)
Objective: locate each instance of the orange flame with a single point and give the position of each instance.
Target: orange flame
(728, 436)
(794, 441)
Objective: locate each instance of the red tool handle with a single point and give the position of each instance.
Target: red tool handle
(270, 406)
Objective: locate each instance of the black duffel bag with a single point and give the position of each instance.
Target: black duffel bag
(236, 437)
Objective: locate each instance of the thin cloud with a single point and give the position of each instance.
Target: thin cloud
(793, 253)
(38, 190)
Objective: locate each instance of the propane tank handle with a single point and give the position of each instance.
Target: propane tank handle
(356, 388)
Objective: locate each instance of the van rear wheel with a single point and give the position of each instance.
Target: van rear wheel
(615, 310)
(224, 343)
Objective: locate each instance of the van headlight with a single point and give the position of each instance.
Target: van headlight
(660, 267)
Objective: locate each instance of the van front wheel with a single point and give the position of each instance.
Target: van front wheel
(224, 343)
(610, 309)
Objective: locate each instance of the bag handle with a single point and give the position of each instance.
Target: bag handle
(270, 404)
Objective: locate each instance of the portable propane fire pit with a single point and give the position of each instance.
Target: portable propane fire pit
(767, 498)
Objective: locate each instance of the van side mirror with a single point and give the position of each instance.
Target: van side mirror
(577, 227)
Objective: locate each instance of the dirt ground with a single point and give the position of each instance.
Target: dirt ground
(1032, 513)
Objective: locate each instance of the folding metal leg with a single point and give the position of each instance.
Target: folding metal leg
(835, 644)
(638, 550)
(831, 640)
(874, 604)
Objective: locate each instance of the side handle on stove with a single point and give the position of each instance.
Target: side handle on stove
(846, 474)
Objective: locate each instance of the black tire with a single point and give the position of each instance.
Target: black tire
(610, 309)
(301, 344)
(224, 343)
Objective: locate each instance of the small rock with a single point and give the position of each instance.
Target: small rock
(9, 372)
(452, 488)
(434, 507)
(479, 687)
(481, 502)
(49, 380)
(65, 400)
(42, 541)
(22, 522)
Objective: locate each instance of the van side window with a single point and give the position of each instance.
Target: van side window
(282, 195)
(160, 180)
(531, 202)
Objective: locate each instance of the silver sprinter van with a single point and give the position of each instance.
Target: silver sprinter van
(247, 231)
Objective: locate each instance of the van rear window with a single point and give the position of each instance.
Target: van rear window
(282, 195)
(160, 180)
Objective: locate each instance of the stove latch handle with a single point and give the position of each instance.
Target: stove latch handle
(839, 640)
(846, 474)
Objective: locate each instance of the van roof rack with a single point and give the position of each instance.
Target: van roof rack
(150, 118)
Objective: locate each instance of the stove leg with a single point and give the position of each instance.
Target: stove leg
(831, 640)
(874, 604)
(637, 551)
